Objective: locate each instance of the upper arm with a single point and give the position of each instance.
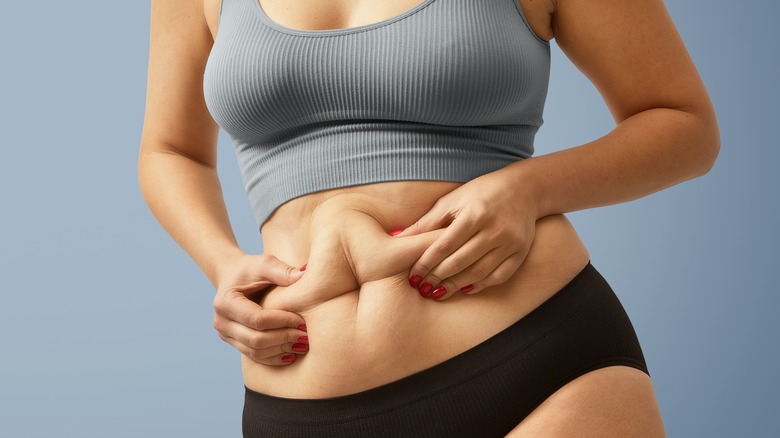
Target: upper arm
(632, 52)
(176, 117)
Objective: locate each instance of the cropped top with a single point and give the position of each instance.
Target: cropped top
(446, 91)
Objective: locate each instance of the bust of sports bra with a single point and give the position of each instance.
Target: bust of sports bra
(446, 91)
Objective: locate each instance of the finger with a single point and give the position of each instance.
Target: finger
(248, 313)
(472, 275)
(278, 272)
(273, 358)
(399, 253)
(495, 267)
(500, 275)
(259, 340)
(453, 237)
(464, 257)
(437, 217)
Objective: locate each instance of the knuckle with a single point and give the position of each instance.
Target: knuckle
(457, 262)
(422, 266)
(434, 280)
(502, 276)
(443, 247)
(291, 320)
(219, 304)
(478, 210)
(256, 355)
(255, 341)
(256, 320)
(480, 272)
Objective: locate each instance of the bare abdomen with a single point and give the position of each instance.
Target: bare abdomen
(366, 325)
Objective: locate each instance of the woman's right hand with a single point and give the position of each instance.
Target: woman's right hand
(267, 336)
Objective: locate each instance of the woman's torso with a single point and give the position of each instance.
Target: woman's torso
(366, 325)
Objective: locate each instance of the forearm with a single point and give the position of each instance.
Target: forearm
(186, 198)
(645, 153)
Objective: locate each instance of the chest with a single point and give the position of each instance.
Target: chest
(447, 62)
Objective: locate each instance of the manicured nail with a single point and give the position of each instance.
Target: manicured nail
(439, 292)
(288, 358)
(425, 289)
(302, 328)
(415, 280)
(467, 288)
(396, 232)
(303, 268)
(300, 348)
(303, 339)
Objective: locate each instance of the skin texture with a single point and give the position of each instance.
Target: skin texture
(482, 231)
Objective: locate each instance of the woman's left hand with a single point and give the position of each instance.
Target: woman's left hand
(490, 224)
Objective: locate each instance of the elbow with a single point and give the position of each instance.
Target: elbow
(709, 144)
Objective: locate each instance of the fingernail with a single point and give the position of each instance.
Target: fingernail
(303, 339)
(303, 268)
(425, 289)
(299, 348)
(467, 288)
(396, 232)
(415, 280)
(439, 292)
(288, 358)
(302, 328)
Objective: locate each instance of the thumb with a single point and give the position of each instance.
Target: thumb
(399, 254)
(277, 272)
(432, 220)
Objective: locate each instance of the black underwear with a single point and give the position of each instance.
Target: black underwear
(483, 392)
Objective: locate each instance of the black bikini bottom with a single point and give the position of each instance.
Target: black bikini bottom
(483, 392)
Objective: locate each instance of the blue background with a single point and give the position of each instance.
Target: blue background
(105, 326)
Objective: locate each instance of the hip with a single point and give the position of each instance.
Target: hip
(484, 391)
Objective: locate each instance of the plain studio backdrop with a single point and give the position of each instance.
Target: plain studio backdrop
(106, 322)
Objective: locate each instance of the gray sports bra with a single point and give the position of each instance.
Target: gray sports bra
(446, 91)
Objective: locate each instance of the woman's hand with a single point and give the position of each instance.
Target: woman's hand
(267, 336)
(490, 224)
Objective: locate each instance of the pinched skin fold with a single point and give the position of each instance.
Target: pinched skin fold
(350, 247)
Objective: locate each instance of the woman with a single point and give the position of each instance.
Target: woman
(419, 276)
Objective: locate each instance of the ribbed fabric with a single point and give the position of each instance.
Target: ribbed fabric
(485, 391)
(446, 91)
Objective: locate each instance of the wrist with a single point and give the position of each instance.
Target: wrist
(525, 185)
(225, 262)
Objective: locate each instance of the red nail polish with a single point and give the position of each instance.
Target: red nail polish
(303, 268)
(300, 348)
(302, 328)
(439, 292)
(415, 280)
(467, 288)
(396, 232)
(425, 289)
(288, 358)
(303, 339)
